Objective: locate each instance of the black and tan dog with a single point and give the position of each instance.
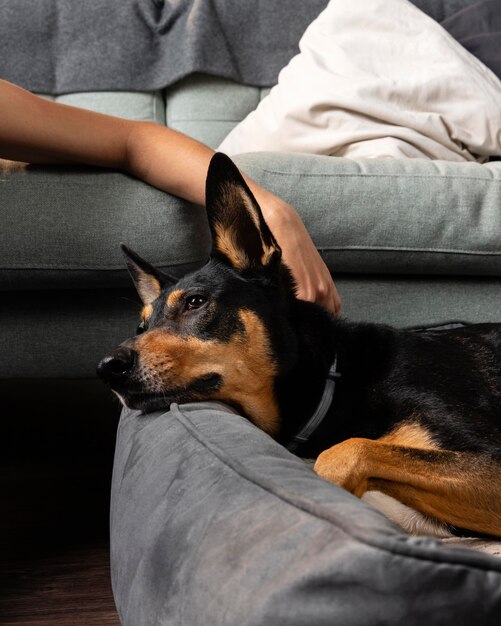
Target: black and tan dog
(415, 415)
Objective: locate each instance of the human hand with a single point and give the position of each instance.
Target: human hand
(154, 155)
(313, 279)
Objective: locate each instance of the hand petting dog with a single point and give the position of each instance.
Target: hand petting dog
(313, 279)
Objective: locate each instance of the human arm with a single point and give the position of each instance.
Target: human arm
(173, 162)
(35, 130)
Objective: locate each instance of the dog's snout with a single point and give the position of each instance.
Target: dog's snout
(117, 365)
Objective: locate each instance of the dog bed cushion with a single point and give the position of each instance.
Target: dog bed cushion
(213, 522)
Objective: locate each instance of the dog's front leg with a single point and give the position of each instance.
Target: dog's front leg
(347, 465)
(460, 489)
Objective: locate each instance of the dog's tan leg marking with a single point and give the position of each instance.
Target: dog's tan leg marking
(461, 489)
(410, 434)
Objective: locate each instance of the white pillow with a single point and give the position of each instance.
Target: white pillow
(377, 78)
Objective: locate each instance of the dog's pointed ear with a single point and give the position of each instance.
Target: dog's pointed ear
(148, 281)
(240, 236)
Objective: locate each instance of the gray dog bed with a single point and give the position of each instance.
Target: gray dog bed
(214, 523)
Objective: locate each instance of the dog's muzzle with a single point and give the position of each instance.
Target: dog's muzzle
(116, 367)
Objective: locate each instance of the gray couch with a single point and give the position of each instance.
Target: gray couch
(409, 242)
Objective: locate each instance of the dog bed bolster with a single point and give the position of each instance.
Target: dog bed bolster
(213, 522)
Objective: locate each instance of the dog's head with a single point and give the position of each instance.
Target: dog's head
(221, 333)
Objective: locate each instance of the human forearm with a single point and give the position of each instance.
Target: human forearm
(168, 160)
(35, 130)
(178, 164)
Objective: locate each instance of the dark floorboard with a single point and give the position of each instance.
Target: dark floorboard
(66, 586)
(55, 478)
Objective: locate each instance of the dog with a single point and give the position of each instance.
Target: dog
(409, 420)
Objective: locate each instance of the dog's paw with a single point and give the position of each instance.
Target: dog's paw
(344, 465)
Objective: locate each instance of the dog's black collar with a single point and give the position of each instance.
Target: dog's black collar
(321, 411)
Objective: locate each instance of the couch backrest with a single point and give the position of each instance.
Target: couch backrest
(204, 107)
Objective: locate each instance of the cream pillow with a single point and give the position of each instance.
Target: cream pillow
(376, 79)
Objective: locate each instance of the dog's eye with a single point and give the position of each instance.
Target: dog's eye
(141, 327)
(195, 302)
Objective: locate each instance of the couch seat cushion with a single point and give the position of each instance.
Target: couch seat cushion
(392, 216)
(61, 227)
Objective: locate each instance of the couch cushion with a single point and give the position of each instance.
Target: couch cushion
(212, 522)
(371, 217)
(391, 216)
(208, 108)
(61, 226)
(141, 106)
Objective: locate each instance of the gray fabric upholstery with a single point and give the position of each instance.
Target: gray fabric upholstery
(62, 334)
(392, 216)
(201, 106)
(207, 108)
(212, 522)
(76, 219)
(381, 217)
(146, 106)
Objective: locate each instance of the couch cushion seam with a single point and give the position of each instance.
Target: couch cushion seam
(413, 250)
(104, 268)
(109, 268)
(493, 179)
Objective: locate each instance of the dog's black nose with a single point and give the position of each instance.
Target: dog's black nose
(117, 365)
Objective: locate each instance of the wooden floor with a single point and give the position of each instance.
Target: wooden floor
(55, 481)
(69, 586)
